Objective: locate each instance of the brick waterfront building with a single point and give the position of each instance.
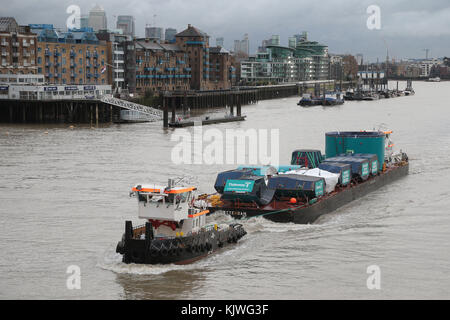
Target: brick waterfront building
(18, 48)
(74, 57)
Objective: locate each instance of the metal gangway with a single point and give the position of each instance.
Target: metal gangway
(151, 113)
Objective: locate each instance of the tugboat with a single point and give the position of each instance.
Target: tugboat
(174, 231)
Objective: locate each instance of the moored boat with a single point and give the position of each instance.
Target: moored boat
(309, 100)
(333, 98)
(174, 231)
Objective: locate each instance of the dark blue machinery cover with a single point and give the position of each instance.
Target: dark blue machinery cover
(296, 185)
(248, 189)
(222, 177)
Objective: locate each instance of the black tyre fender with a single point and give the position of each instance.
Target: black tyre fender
(164, 252)
(179, 250)
(154, 251)
(120, 247)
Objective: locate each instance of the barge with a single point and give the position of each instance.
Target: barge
(174, 231)
(313, 184)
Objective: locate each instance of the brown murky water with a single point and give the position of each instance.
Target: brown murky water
(64, 200)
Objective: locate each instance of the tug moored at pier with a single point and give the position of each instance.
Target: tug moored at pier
(174, 231)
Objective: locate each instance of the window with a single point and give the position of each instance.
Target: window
(39, 60)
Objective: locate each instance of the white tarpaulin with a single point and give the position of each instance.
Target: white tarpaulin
(331, 179)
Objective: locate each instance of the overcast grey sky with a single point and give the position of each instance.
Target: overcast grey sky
(407, 26)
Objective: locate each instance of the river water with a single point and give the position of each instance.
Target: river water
(64, 200)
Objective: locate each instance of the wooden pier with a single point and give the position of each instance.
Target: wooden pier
(58, 111)
(96, 111)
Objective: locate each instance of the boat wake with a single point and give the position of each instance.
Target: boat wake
(112, 261)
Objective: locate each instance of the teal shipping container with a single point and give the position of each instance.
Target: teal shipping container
(373, 142)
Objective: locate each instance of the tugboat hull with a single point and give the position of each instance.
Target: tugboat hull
(139, 246)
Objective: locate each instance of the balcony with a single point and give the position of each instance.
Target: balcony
(26, 54)
(5, 43)
(15, 44)
(72, 54)
(47, 53)
(73, 64)
(73, 75)
(48, 64)
(88, 54)
(56, 53)
(25, 44)
(15, 54)
(95, 54)
(5, 54)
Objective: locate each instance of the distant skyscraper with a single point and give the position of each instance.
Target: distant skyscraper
(237, 46)
(245, 45)
(84, 21)
(97, 18)
(154, 33)
(359, 59)
(275, 40)
(242, 46)
(292, 42)
(126, 23)
(219, 42)
(170, 34)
